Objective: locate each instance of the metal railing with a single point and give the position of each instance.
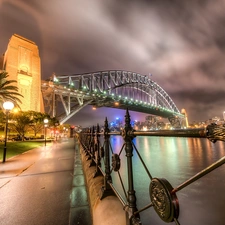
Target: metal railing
(163, 196)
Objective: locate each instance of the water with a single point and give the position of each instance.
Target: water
(177, 160)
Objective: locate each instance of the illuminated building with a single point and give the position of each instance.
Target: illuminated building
(185, 121)
(22, 63)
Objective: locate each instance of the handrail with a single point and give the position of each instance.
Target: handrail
(90, 141)
(200, 132)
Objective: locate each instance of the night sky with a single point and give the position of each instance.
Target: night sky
(181, 43)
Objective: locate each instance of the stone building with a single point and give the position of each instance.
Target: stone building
(22, 62)
(185, 120)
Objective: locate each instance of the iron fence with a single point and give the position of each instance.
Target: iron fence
(163, 196)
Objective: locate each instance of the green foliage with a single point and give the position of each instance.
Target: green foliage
(2, 117)
(21, 122)
(53, 122)
(37, 119)
(8, 91)
(15, 148)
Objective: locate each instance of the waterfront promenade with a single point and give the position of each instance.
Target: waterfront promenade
(44, 186)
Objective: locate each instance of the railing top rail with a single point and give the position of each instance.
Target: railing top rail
(213, 132)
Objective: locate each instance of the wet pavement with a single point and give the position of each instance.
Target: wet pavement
(44, 186)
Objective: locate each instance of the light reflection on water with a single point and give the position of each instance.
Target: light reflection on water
(178, 159)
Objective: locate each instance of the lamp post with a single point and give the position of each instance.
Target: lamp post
(46, 124)
(7, 106)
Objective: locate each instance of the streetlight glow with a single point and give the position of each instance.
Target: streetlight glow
(45, 121)
(8, 105)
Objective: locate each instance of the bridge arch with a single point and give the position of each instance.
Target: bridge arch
(129, 89)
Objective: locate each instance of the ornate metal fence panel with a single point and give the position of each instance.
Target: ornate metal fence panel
(162, 194)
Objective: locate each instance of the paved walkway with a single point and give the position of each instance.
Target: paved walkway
(44, 186)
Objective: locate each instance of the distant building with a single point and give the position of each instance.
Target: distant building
(22, 62)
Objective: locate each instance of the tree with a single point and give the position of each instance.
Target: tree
(2, 116)
(26, 121)
(37, 119)
(2, 120)
(8, 91)
(21, 122)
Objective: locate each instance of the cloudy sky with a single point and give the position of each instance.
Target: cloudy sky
(181, 43)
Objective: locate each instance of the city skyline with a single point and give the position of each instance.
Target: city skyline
(181, 44)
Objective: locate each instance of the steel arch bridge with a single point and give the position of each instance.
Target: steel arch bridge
(114, 88)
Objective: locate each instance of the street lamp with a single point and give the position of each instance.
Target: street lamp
(46, 124)
(7, 106)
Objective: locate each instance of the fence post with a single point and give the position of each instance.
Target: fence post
(88, 142)
(91, 147)
(96, 152)
(85, 140)
(131, 198)
(106, 189)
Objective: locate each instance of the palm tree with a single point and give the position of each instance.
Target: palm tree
(8, 91)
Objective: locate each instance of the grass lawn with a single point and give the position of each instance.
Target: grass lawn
(18, 147)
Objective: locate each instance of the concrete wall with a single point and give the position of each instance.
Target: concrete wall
(108, 211)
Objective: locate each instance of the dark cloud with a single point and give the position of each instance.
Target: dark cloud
(19, 19)
(182, 43)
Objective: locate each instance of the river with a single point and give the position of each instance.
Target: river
(177, 160)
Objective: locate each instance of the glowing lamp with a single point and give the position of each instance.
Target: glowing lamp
(8, 105)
